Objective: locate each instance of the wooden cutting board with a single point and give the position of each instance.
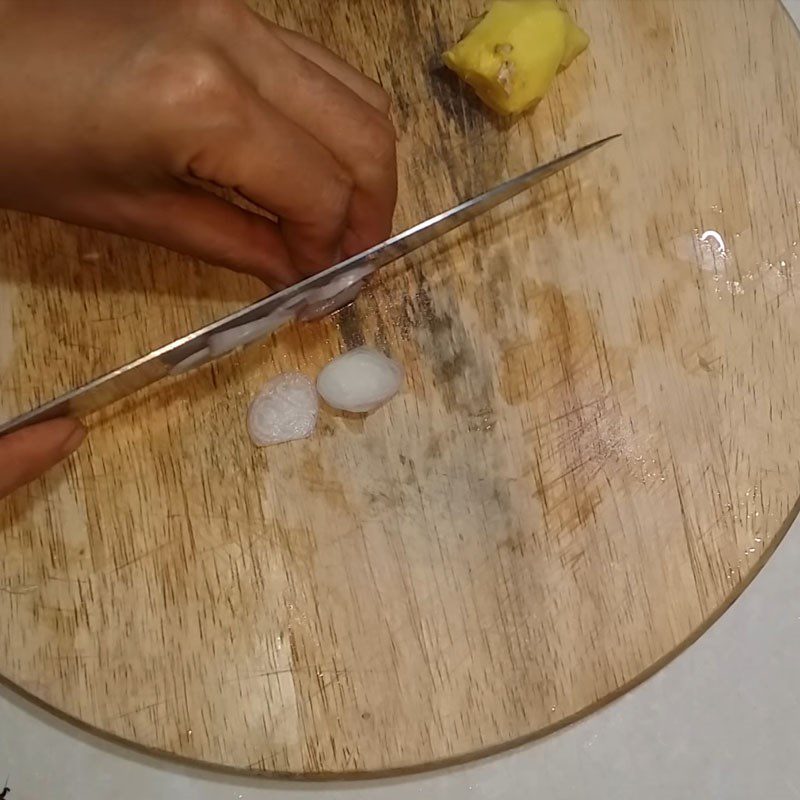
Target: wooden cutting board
(596, 448)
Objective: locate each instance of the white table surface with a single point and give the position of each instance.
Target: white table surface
(721, 722)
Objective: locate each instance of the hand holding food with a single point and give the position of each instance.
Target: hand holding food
(156, 105)
(153, 103)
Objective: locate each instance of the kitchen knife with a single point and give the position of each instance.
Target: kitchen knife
(314, 297)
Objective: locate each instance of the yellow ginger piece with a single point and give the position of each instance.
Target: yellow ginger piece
(512, 55)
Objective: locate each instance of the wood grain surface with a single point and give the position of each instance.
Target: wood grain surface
(596, 446)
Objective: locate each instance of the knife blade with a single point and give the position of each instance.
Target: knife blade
(314, 297)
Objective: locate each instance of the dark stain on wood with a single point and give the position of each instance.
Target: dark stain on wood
(350, 327)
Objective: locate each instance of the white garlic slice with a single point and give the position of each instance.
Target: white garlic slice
(230, 340)
(340, 292)
(192, 362)
(284, 410)
(360, 381)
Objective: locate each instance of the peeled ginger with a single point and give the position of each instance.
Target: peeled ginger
(512, 55)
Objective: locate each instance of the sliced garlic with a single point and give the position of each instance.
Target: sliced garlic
(192, 362)
(284, 410)
(340, 292)
(249, 332)
(360, 381)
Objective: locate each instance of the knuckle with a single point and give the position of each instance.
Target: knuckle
(386, 141)
(213, 14)
(382, 100)
(196, 101)
(335, 193)
(197, 80)
(378, 143)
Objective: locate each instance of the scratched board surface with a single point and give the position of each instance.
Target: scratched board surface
(596, 446)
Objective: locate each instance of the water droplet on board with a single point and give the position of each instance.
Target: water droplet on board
(714, 237)
(707, 250)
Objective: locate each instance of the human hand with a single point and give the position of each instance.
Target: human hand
(26, 454)
(120, 116)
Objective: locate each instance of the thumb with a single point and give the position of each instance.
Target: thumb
(28, 453)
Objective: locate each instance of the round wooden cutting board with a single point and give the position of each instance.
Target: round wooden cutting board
(596, 447)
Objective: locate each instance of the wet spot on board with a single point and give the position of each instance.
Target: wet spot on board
(453, 367)
(516, 542)
(463, 376)
(433, 449)
(656, 24)
(323, 481)
(498, 268)
(710, 366)
(493, 281)
(325, 429)
(483, 420)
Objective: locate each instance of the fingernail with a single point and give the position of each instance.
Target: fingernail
(74, 440)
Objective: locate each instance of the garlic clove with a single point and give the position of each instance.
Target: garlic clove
(340, 292)
(284, 410)
(360, 381)
(192, 362)
(234, 338)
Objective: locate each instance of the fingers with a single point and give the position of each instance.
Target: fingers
(282, 168)
(356, 81)
(304, 137)
(28, 453)
(359, 136)
(192, 221)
